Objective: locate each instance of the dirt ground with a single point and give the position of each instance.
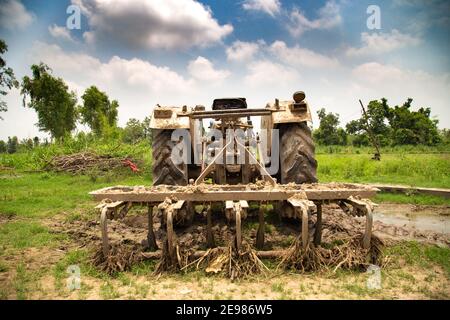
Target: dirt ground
(44, 275)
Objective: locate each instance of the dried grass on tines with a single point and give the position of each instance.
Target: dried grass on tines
(121, 257)
(348, 255)
(230, 262)
(175, 263)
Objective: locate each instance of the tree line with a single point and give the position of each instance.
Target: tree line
(58, 113)
(58, 110)
(390, 126)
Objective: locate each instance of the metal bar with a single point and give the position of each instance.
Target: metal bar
(368, 230)
(318, 228)
(237, 209)
(260, 233)
(406, 189)
(112, 205)
(170, 233)
(266, 176)
(215, 187)
(235, 195)
(232, 113)
(151, 238)
(104, 228)
(364, 207)
(209, 234)
(211, 166)
(305, 231)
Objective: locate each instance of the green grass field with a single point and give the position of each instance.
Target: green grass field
(35, 194)
(32, 199)
(424, 170)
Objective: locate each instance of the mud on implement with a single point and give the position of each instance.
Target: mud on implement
(229, 171)
(176, 203)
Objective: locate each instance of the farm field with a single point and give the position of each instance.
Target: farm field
(34, 254)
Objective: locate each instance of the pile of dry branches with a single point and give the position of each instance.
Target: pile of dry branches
(83, 162)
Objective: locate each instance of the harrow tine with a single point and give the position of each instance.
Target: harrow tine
(237, 211)
(170, 233)
(260, 233)
(318, 227)
(364, 207)
(238, 227)
(151, 239)
(209, 233)
(368, 230)
(302, 208)
(305, 231)
(104, 228)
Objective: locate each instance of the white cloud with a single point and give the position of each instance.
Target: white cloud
(328, 17)
(60, 33)
(242, 51)
(138, 85)
(168, 24)
(379, 42)
(296, 56)
(270, 7)
(202, 69)
(14, 15)
(376, 73)
(264, 73)
(376, 80)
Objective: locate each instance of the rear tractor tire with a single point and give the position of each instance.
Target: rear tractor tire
(164, 170)
(297, 154)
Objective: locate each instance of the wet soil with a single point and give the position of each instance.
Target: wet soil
(417, 218)
(428, 224)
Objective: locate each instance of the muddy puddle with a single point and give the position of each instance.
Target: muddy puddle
(420, 218)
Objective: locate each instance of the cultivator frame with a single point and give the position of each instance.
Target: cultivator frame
(306, 200)
(178, 188)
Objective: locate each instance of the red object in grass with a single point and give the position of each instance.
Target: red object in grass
(130, 164)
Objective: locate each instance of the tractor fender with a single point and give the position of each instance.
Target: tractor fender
(170, 118)
(285, 112)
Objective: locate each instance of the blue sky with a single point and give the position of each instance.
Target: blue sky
(178, 52)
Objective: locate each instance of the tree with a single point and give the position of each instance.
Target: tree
(146, 126)
(36, 141)
(376, 118)
(412, 127)
(97, 111)
(445, 136)
(54, 104)
(27, 143)
(328, 132)
(397, 126)
(133, 131)
(7, 78)
(13, 144)
(3, 146)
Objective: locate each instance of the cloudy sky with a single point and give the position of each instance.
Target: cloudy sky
(176, 52)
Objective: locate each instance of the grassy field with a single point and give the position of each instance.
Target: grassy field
(37, 195)
(33, 265)
(425, 170)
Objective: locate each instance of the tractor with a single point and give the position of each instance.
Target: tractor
(220, 158)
